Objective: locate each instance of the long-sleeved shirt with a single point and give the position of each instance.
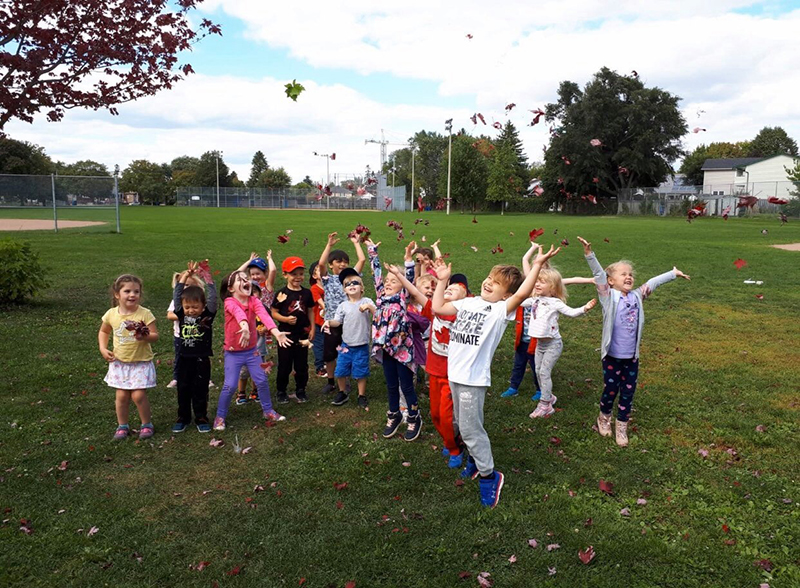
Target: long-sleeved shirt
(236, 312)
(194, 333)
(544, 314)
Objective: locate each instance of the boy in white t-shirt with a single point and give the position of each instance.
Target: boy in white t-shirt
(474, 336)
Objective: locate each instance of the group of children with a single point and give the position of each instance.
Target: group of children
(423, 317)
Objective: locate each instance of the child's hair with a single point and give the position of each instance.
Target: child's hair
(426, 251)
(194, 294)
(227, 283)
(509, 276)
(421, 279)
(338, 255)
(616, 265)
(193, 280)
(117, 286)
(311, 279)
(552, 277)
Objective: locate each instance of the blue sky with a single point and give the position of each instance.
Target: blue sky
(408, 67)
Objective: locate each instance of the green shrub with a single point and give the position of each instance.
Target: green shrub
(21, 274)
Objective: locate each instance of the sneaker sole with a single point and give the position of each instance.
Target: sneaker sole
(179, 430)
(199, 430)
(343, 402)
(499, 489)
(418, 431)
(393, 433)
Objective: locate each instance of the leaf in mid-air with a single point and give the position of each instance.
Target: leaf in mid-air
(294, 89)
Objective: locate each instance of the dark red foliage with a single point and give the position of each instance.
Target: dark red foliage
(535, 233)
(538, 113)
(283, 238)
(204, 271)
(138, 327)
(607, 487)
(62, 54)
(776, 200)
(739, 263)
(747, 202)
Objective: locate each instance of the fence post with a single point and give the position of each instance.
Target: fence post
(116, 194)
(53, 191)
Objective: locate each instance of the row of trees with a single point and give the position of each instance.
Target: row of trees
(155, 182)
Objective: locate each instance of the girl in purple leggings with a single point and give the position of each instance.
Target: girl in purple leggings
(241, 310)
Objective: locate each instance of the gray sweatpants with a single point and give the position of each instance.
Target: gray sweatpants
(547, 353)
(468, 414)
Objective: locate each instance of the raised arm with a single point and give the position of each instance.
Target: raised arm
(525, 290)
(438, 305)
(272, 273)
(323, 258)
(243, 267)
(574, 312)
(412, 290)
(375, 264)
(600, 278)
(359, 266)
(577, 280)
(408, 261)
(526, 258)
(647, 288)
(212, 302)
(436, 252)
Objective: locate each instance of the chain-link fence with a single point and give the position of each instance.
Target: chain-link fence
(61, 197)
(656, 201)
(388, 198)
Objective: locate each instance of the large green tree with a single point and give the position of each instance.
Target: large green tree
(206, 172)
(274, 178)
(258, 166)
(21, 157)
(508, 167)
(772, 141)
(615, 133)
(692, 164)
(469, 174)
(148, 179)
(430, 146)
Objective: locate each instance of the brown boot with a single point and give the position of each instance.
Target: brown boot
(604, 424)
(622, 433)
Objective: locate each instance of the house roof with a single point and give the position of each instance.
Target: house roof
(733, 163)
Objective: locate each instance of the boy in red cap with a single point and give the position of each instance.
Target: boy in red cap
(293, 311)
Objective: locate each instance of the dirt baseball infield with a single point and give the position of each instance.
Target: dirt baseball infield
(26, 224)
(789, 246)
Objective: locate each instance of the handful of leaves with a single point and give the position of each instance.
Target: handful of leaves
(361, 232)
(140, 330)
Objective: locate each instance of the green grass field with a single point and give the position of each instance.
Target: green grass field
(716, 364)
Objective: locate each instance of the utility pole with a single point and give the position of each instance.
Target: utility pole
(448, 126)
(328, 158)
(413, 157)
(219, 154)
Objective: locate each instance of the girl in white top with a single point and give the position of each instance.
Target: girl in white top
(547, 303)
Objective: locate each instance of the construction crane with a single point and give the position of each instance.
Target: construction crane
(383, 143)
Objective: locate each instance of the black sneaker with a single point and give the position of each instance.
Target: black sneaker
(363, 402)
(283, 398)
(340, 399)
(393, 420)
(301, 395)
(414, 427)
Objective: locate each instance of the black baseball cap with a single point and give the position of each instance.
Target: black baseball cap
(347, 273)
(460, 279)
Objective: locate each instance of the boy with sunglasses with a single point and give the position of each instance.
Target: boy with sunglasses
(354, 315)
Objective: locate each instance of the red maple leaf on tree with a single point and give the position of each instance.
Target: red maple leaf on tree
(62, 54)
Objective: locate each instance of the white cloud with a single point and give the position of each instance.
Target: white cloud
(740, 69)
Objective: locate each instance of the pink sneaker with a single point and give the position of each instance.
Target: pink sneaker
(544, 409)
(273, 417)
(146, 432)
(121, 433)
(219, 424)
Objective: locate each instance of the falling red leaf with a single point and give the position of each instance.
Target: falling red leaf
(538, 190)
(596, 180)
(204, 271)
(747, 202)
(535, 233)
(565, 160)
(697, 130)
(587, 555)
(739, 263)
(760, 296)
(480, 117)
(776, 200)
(565, 242)
(333, 157)
(469, 35)
(497, 125)
(283, 238)
(607, 487)
(538, 115)
(606, 240)
(623, 170)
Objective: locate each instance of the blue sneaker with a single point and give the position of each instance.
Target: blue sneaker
(471, 471)
(509, 393)
(455, 461)
(490, 489)
(445, 452)
(179, 427)
(537, 396)
(203, 427)
(240, 400)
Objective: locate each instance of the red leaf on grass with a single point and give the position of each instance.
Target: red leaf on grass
(340, 485)
(764, 564)
(474, 220)
(760, 296)
(484, 580)
(739, 263)
(350, 584)
(339, 504)
(587, 555)
(607, 487)
(234, 572)
(464, 575)
(726, 529)
(301, 582)
(63, 465)
(535, 233)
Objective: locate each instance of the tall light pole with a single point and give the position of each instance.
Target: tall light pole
(328, 158)
(448, 126)
(413, 157)
(219, 154)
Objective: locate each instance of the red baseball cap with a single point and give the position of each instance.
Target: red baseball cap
(291, 263)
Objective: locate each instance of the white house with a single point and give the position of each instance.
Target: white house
(755, 176)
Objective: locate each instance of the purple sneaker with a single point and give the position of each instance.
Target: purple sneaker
(121, 433)
(146, 432)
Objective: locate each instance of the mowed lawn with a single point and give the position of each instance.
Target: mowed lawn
(705, 495)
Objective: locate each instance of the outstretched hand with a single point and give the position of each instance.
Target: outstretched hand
(542, 257)
(590, 305)
(244, 338)
(282, 339)
(371, 243)
(587, 247)
(333, 239)
(680, 274)
(443, 270)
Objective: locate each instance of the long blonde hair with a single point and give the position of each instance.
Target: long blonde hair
(552, 277)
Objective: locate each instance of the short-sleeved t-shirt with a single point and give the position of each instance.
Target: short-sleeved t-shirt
(356, 325)
(318, 294)
(474, 337)
(126, 348)
(294, 303)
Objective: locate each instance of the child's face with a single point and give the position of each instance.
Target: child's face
(193, 308)
(427, 287)
(455, 292)
(315, 273)
(241, 286)
(258, 275)
(129, 295)
(337, 265)
(542, 288)
(391, 285)
(621, 279)
(492, 290)
(423, 260)
(295, 279)
(354, 288)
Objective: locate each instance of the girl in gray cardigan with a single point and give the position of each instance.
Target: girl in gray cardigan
(623, 321)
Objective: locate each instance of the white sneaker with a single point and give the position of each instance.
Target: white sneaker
(604, 424)
(172, 384)
(543, 409)
(622, 433)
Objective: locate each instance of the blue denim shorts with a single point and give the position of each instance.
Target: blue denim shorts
(353, 362)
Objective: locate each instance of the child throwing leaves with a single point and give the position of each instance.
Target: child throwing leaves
(623, 322)
(130, 364)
